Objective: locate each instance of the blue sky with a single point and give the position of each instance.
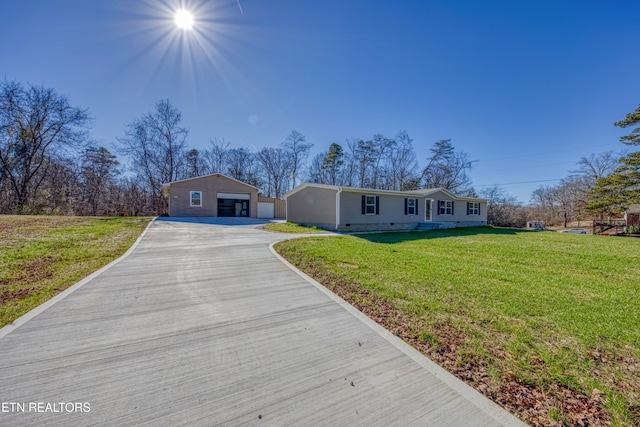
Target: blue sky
(525, 87)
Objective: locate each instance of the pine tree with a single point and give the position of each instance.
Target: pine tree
(614, 193)
(332, 162)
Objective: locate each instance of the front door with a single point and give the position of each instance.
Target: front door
(427, 209)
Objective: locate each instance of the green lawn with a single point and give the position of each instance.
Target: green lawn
(546, 324)
(40, 256)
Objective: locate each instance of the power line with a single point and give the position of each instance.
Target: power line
(522, 182)
(543, 153)
(532, 167)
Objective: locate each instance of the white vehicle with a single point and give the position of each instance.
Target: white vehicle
(575, 231)
(535, 225)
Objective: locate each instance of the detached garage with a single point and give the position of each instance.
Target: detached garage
(214, 195)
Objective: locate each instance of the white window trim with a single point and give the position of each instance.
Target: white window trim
(367, 204)
(191, 199)
(446, 208)
(411, 208)
(474, 208)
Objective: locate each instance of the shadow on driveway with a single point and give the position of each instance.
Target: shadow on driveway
(217, 220)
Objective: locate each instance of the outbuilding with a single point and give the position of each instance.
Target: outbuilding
(359, 209)
(632, 216)
(214, 195)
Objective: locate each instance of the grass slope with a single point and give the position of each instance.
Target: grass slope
(40, 256)
(290, 227)
(545, 324)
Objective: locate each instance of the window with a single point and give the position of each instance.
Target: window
(196, 198)
(445, 207)
(473, 208)
(370, 205)
(411, 206)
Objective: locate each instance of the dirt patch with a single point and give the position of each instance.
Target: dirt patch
(346, 265)
(24, 226)
(12, 295)
(32, 272)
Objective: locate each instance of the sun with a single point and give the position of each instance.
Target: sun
(184, 19)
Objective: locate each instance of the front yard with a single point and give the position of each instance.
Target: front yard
(545, 324)
(40, 256)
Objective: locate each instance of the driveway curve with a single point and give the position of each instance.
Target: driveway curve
(201, 324)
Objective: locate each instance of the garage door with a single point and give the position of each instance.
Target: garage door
(265, 210)
(233, 207)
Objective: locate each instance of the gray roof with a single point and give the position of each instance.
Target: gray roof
(416, 193)
(634, 208)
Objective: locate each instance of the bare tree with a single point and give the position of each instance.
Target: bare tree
(503, 210)
(98, 172)
(137, 198)
(60, 189)
(5, 193)
(596, 166)
(349, 169)
(36, 124)
(242, 165)
(569, 199)
(562, 203)
(363, 154)
(217, 155)
(563, 197)
(538, 204)
(297, 149)
(276, 164)
(544, 205)
(156, 144)
(447, 168)
(402, 163)
(239, 160)
(381, 150)
(316, 173)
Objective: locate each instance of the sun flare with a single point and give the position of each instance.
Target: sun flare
(184, 19)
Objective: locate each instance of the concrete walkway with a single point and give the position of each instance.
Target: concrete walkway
(201, 324)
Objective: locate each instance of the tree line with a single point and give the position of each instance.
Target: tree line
(50, 165)
(602, 185)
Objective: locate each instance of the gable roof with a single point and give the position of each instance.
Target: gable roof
(166, 185)
(342, 188)
(634, 208)
(415, 193)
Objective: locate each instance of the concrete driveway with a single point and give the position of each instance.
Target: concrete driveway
(201, 324)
